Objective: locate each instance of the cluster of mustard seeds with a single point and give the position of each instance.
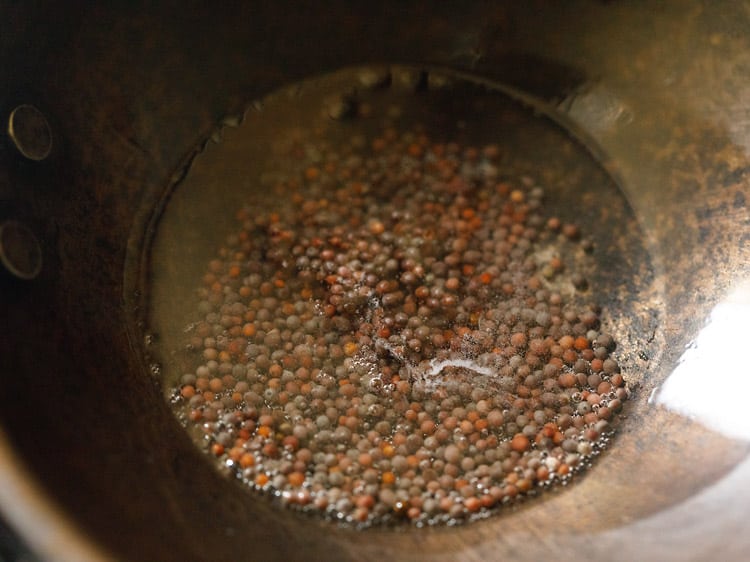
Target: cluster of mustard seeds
(401, 337)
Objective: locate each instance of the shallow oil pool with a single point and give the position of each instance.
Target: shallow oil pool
(396, 295)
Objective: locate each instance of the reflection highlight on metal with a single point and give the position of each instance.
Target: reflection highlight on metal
(30, 132)
(20, 251)
(711, 382)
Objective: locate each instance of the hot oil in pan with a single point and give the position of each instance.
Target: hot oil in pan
(397, 296)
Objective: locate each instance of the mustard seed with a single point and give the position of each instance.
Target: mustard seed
(381, 342)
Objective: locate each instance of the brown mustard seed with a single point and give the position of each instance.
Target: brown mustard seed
(383, 344)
